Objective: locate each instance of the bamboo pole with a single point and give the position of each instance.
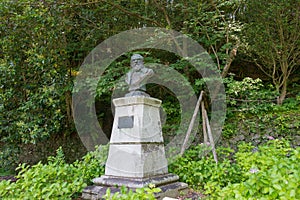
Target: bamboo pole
(188, 133)
(203, 123)
(211, 139)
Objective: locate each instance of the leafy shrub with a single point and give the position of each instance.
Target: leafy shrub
(139, 194)
(54, 180)
(7, 161)
(250, 95)
(278, 122)
(272, 172)
(202, 173)
(263, 157)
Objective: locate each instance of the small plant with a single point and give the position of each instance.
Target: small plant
(4, 172)
(139, 194)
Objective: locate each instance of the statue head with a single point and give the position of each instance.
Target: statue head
(137, 62)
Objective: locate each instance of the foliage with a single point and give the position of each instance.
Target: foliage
(4, 172)
(7, 161)
(260, 128)
(201, 172)
(272, 172)
(43, 43)
(253, 114)
(56, 179)
(32, 81)
(214, 26)
(249, 95)
(139, 194)
(272, 32)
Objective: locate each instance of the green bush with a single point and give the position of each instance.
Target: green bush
(249, 95)
(54, 180)
(7, 161)
(202, 173)
(277, 122)
(272, 172)
(139, 194)
(60, 180)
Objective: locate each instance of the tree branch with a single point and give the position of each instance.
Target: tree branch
(124, 11)
(162, 8)
(132, 13)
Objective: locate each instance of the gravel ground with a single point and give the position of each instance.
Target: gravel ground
(191, 195)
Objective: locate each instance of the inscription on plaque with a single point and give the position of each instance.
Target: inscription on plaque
(125, 122)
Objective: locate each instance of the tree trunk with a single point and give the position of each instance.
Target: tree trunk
(68, 98)
(282, 93)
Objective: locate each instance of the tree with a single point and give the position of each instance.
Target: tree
(272, 34)
(33, 78)
(43, 43)
(216, 28)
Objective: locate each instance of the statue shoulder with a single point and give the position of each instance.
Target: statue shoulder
(147, 71)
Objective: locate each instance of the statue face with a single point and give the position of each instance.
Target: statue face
(137, 64)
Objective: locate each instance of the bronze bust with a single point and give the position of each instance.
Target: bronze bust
(137, 77)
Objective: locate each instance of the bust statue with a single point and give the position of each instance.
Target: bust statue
(137, 76)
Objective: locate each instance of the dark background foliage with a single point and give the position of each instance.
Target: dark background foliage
(43, 44)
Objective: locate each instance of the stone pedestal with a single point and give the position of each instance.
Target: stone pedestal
(136, 153)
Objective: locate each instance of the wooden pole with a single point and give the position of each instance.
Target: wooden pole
(211, 139)
(203, 123)
(188, 133)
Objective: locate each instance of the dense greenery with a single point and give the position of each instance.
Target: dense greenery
(270, 171)
(253, 115)
(56, 179)
(254, 44)
(59, 180)
(139, 194)
(43, 44)
(272, 34)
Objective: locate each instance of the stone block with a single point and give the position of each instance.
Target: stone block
(146, 124)
(167, 183)
(118, 181)
(136, 160)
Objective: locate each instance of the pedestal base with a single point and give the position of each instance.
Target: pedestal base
(136, 154)
(167, 183)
